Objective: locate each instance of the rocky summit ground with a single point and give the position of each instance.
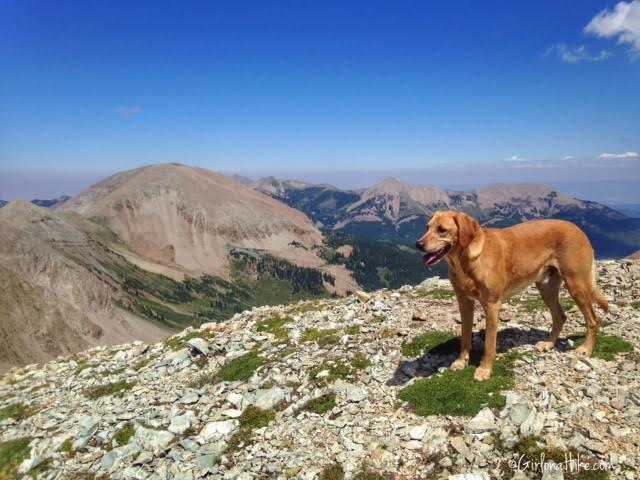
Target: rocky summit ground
(339, 388)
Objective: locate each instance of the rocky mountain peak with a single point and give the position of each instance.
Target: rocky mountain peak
(337, 387)
(186, 218)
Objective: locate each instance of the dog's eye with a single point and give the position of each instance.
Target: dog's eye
(441, 230)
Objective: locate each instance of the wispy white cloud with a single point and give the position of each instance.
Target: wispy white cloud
(618, 156)
(129, 110)
(568, 157)
(622, 22)
(575, 55)
(515, 158)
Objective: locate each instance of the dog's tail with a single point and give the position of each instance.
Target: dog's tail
(598, 296)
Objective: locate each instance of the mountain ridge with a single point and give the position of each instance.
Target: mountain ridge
(397, 211)
(187, 218)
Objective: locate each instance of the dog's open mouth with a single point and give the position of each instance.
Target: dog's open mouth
(433, 257)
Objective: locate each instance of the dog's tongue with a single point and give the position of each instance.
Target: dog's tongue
(429, 258)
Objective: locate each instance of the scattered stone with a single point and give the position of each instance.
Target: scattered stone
(178, 420)
(484, 421)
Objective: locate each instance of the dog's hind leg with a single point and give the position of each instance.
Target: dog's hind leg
(549, 291)
(580, 288)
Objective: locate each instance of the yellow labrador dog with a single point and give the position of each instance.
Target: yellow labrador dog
(491, 264)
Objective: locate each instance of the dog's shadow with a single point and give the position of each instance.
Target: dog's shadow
(445, 353)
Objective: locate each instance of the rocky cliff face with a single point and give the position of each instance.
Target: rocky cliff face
(350, 387)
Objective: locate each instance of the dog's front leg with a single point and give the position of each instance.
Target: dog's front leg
(465, 305)
(491, 310)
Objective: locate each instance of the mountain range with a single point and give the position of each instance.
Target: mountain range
(152, 250)
(396, 211)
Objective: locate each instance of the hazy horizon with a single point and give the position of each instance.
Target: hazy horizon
(439, 93)
(610, 191)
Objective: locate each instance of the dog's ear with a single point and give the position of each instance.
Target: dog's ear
(468, 228)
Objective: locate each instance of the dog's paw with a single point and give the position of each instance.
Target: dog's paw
(583, 351)
(459, 364)
(482, 374)
(544, 346)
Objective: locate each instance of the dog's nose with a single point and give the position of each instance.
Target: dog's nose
(419, 245)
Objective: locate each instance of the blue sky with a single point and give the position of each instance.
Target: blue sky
(482, 91)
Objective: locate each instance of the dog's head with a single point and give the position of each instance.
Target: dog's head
(446, 230)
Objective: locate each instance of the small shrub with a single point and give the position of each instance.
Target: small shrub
(286, 352)
(117, 371)
(338, 369)
(17, 411)
(532, 450)
(123, 435)
(422, 344)
(274, 326)
(66, 446)
(82, 365)
(635, 304)
(143, 363)
(321, 337)
(177, 342)
(437, 293)
(332, 472)
(108, 389)
(387, 333)
(322, 404)
(241, 368)
(251, 418)
(6, 396)
(360, 361)
(367, 473)
(353, 330)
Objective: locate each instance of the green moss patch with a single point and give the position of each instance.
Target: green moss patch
(12, 454)
(82, 365)
(339, 369)
(321, 337)
(108, 389)
(7, 396)
(251, 418)
(535, 304)
(635, 304)
(332, 472)
(425, 343)
(437, 293)
(17, 411)
(177, 342)
(457, 393)
(66, 446)
(274, 326)
(143, 363)
(360, 361)
(322, 404)
(352, 330)
(367, 473)
(286, 352)
(607, 346)
(532, 450)
(241, 368)
(123, 435)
